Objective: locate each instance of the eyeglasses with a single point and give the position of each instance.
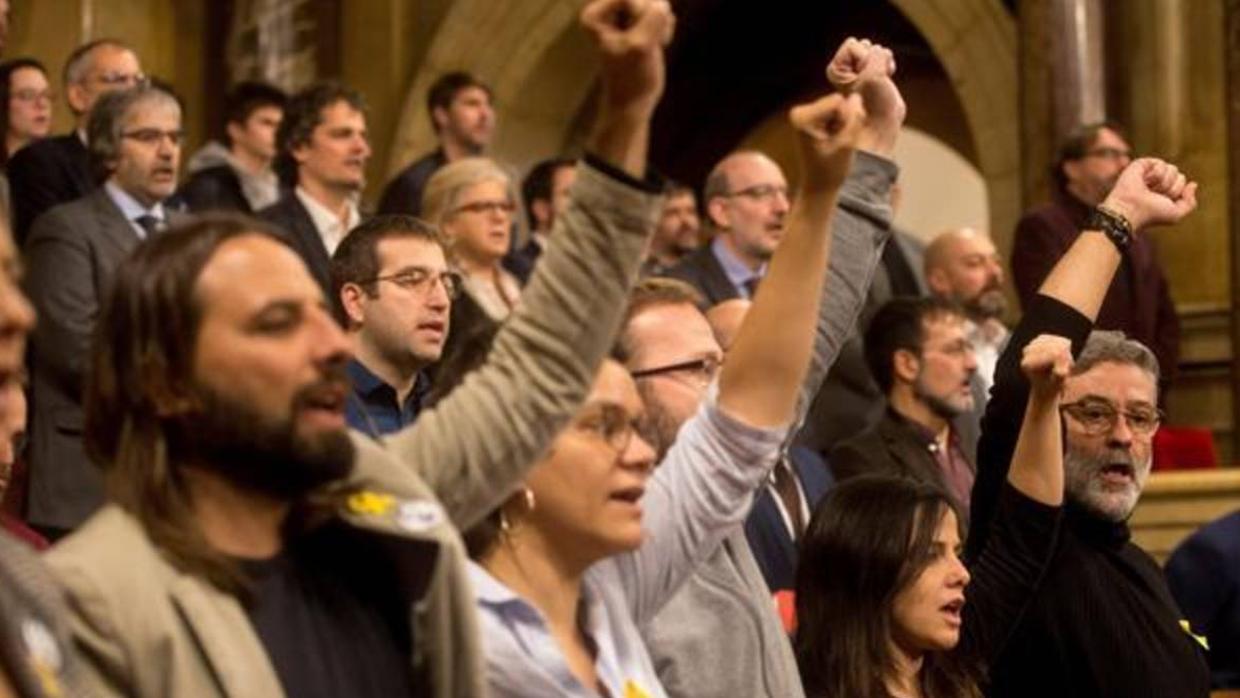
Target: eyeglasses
(1099, 417)
(761, 192)
(30, 94)
(609, 422)
(421, 281)
(703, 370)
(1109, 153)
(153, 136)
(121, 79)
(486, 207)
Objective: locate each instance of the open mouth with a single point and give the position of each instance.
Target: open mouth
(628, 495)
(953, 610)
(325, 401)
(1118, 473)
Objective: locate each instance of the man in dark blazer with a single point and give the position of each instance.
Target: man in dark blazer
(1203, 574)
(766, 528)
(323, 146)
(241, 178)
(461, 113)
(918, 353)
(73, 250)
(746, 198)
(1138, 302)
(56, 170)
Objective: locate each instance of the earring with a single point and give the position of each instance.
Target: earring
(527, 496)
(530, 501)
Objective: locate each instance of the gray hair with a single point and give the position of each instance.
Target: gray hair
(83, 57)
(108, 117)
(1109, 346)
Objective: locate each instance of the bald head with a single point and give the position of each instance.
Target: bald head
(962, 265)
(725, 320)
(746, 200)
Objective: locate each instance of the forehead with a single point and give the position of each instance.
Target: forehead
(486, 189)
(473, 93)
(401, 252)
(1120, 383)
(750, 169)
(613, 385)
(339, 113)
(681, 199)
(246, 273)
(942, 327)
(266, 111)
(678, 328)
(153, 112)
(564, 175)
(974, 244)
(109, 58)
(27, 75)
(1109, 139)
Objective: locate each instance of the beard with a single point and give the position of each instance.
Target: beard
(990, 304)
(261, 454)
(944, 407)
(1085, 486)
(658, 427)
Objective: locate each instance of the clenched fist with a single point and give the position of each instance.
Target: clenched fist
(1152, 192)
(828, 129)
(1047, 362)
(630, 35)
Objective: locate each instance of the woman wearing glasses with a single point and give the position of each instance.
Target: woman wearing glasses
(471, 202)
(25, 110)
(881, 588)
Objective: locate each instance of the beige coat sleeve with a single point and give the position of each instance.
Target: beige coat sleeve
(474, 447)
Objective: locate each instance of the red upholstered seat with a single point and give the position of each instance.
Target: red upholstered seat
(1184, 448)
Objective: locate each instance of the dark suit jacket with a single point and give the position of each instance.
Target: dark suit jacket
(702, 270)
(404, 193)
(521, 260)
(46, 173)
(1204, 577)
(1138, 301)
(773, 548)
(214, 189)
(294, 220)
(71, 255)
(891, 447)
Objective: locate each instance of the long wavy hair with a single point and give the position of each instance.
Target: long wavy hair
(869, 539)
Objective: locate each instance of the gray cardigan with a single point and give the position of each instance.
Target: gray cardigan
(720, 635)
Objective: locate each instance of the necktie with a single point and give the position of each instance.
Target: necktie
(149, 224)
(790, 495)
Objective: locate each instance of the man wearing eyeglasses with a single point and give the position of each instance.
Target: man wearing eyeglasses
(393, 293)
(56, 170)
(1138, 301)
(746, 199)
(71, 254)
(324, 146)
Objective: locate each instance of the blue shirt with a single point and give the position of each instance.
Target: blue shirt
(372, 408)
(131, 209)
(736, 270)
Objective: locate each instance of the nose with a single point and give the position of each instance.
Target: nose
(996, 268)
(1121, 435)
(16, 314)
(959, 573)
(437, 297)
(638, 454)
(970, 360)
(780, 203)
(330, 344)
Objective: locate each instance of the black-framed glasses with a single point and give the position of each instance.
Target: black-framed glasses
(704, 369)
(761, 192)
(1100, 416)
(487, 207)
(610, 423)
(153, 136)
(421, 281)
(1109, 153)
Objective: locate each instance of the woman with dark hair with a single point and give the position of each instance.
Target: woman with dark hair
(881, 588)
(25, 112)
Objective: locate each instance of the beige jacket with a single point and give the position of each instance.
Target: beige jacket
(148, 630)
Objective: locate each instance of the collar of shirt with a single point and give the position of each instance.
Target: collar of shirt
(130, 208)
(325, 220)
(991, 333)
(734, 268)
(373, 392)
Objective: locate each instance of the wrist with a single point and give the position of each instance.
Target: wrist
(1115, 223)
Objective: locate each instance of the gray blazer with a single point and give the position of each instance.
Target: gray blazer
(71, 254)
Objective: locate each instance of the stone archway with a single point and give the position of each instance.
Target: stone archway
(542, 70)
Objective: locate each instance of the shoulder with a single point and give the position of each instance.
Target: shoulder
(43, 151)
(65, 220)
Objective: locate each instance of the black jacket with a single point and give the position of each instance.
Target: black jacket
(215, 189)
(46, 173)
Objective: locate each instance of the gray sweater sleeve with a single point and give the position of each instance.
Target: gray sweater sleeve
(860, 228)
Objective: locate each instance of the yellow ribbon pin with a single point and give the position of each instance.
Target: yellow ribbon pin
(1201, 640)
(371, 503)
(632, 690)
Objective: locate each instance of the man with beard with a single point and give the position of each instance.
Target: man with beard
(746, 202)
(673, 354)
(678, 233)
(1102, 622)
(1138, 302)
(72, 254)
(918, 353)
(464, 121)
(252, 547)
(963, 266)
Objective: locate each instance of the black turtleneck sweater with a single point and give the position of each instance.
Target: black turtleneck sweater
(1102, 622)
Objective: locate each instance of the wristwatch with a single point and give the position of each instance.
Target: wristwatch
(1113, 224)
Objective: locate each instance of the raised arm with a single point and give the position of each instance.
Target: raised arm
(1148, 192)
(475, 445)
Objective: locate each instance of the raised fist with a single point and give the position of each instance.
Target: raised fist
(1152, 192)
(630, 35)
(829, 129)
(866, 68)
(1047, 362)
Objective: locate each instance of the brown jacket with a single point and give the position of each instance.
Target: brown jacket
(149, 630)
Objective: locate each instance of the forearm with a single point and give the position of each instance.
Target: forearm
(769, 360)
(1037, 461)
(623, 141)
(1082, 276)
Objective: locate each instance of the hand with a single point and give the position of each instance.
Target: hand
(1152, 192)
(1047, 362)
(863, 67)
(829, 130)
(630, 35)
